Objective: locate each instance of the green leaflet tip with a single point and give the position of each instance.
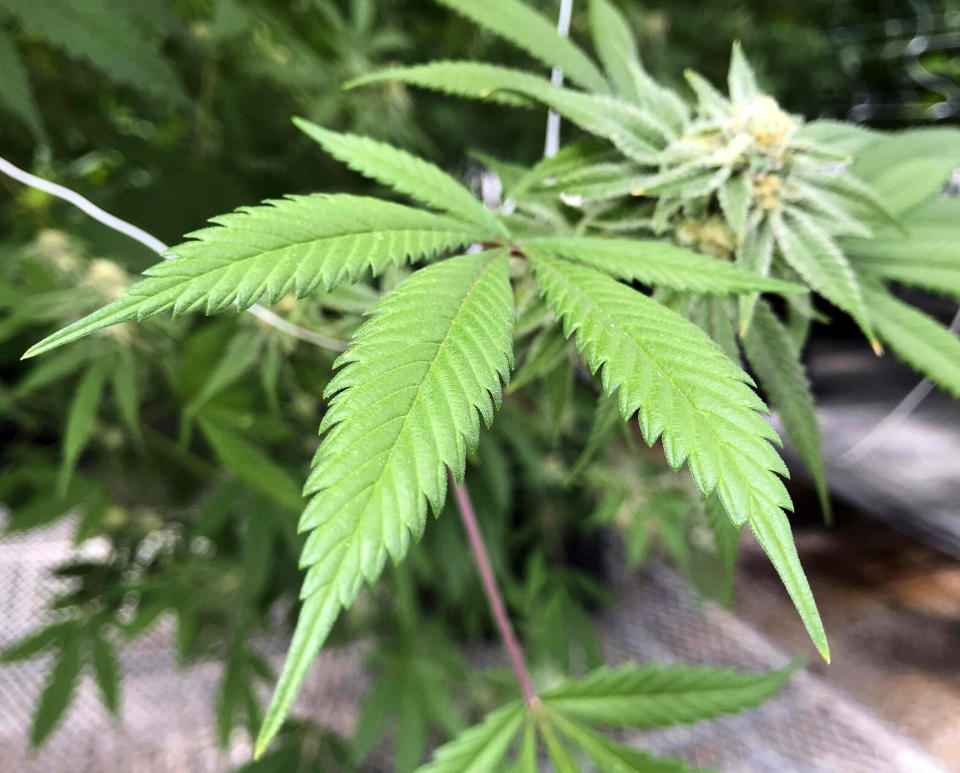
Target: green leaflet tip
(877, 347)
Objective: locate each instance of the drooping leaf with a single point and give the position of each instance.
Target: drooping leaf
(297, 244)
(613, 757)
(406, 173)
(482, 747)
(687, 391)
(661, 264)
(917, 338)
(655, 695)
(816, 257)
(776, 360)
(536, 34)
(405, 405)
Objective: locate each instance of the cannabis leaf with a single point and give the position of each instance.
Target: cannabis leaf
(297, 244)
(776, 360)
(535, 34)
(404, 172)
(404, 406)
(629, 695)
(687, 391)
(93, 31)
(918, 338)
(660, 263)
(654, 695)
(634, 130)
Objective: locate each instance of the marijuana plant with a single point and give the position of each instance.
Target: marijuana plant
(733, 198)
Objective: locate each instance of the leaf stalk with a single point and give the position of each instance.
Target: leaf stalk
(492, 592)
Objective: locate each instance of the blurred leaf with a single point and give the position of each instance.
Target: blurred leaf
(80, 421)
(251, 465)
(59, 688)
(91, 31)
(106, 670)
(16, 96)
(776, 361)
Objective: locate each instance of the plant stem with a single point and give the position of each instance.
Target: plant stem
(482, 560)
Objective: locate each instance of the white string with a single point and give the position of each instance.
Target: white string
(896, 417)
(552, 142)
(153, 243)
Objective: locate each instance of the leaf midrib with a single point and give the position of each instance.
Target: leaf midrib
(375, 487)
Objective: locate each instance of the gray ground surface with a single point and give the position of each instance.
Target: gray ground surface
(166, 719)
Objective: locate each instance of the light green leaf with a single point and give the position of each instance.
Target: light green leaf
(403, 408)
(927, 256)
(58, 691)
(106, 670)
(814, 255)
(297, 244)
(710, 101)
(844, 185)
(527, 757)
(405, 173)
(754, 255)
(655, 695)
(560, 758)
(735, 196)
(776, 360)
(687, 391)
(659, 263)
(917, 338)
(906, 168)
(481, 748)
(740, 79)
(615, 46)
(612, 757)
(80, 420)
(535, 34)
